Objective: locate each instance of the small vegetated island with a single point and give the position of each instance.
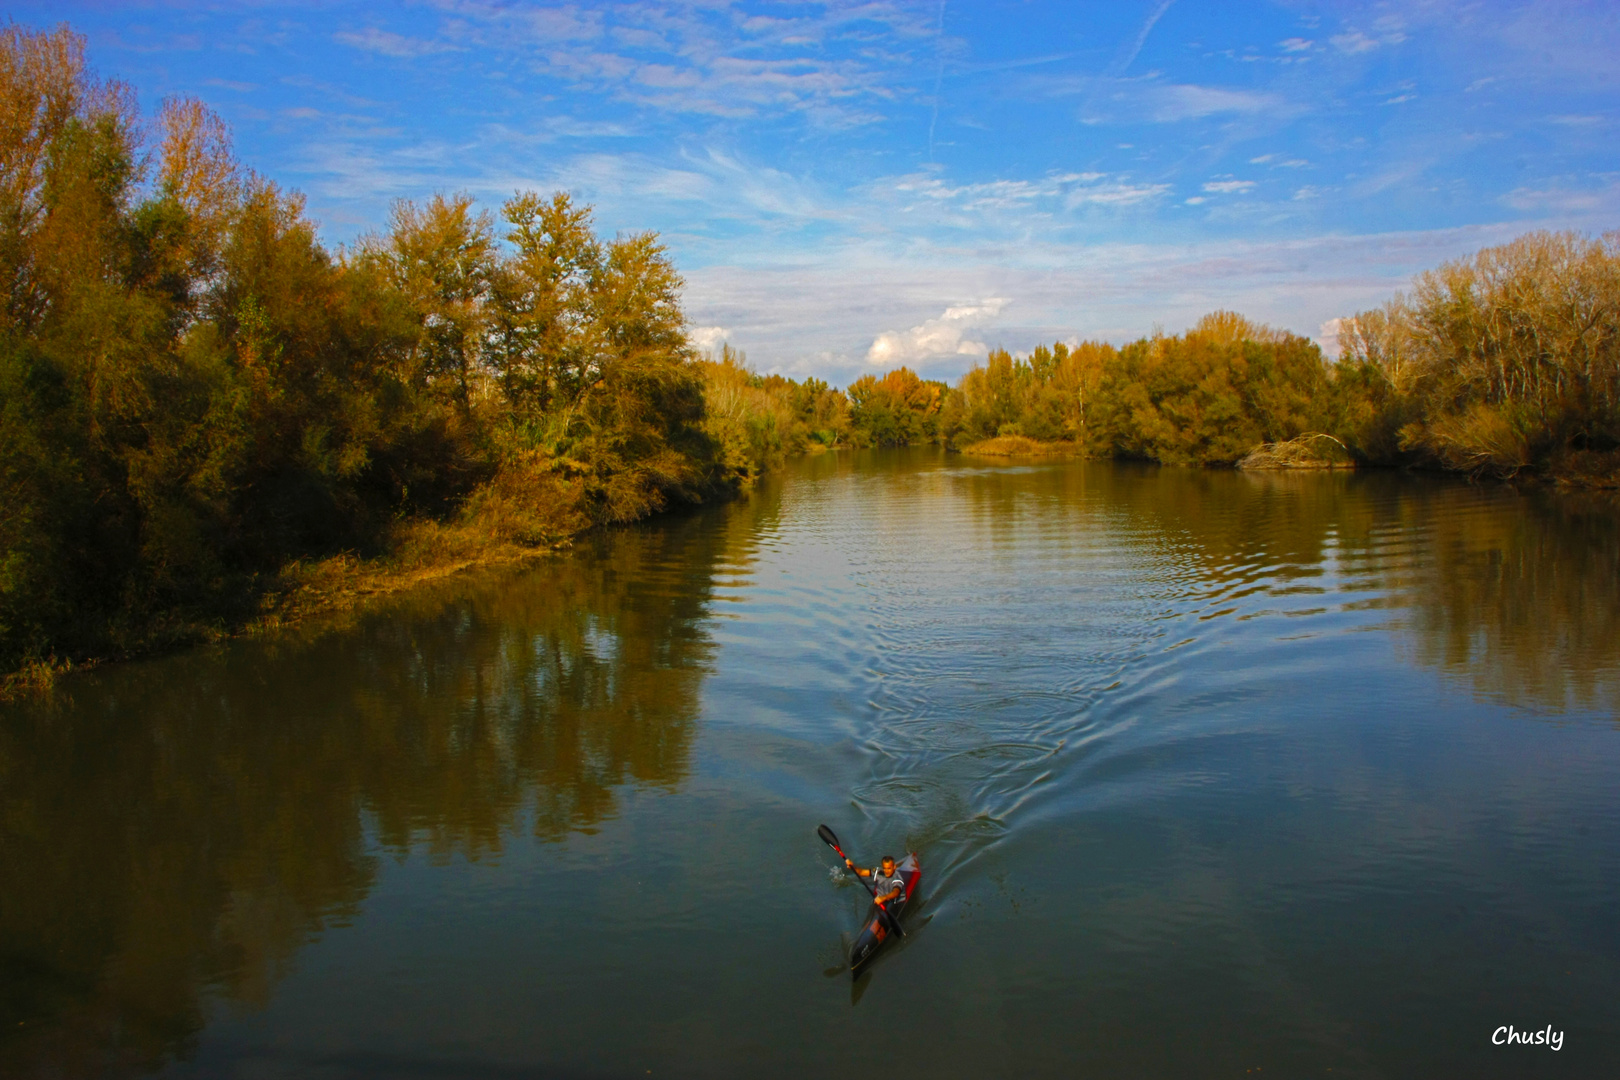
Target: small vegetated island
(208, 419)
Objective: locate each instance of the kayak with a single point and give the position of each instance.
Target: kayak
(876, 932)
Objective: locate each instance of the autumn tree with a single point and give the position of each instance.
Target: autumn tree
(898, 409)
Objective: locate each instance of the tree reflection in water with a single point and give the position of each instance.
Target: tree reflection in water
(172, 833)
(178, 829)
(1520, 596)
(1512, 591)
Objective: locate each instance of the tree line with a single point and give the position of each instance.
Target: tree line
(1501, 363)
(196, 393)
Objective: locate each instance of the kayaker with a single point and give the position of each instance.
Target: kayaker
(886, 884)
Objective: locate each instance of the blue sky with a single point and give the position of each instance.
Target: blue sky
(851, 186)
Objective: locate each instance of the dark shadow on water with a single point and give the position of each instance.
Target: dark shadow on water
(858, 986)
(176, 830)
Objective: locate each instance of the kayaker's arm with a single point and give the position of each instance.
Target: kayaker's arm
(893, 894)
(858, 870)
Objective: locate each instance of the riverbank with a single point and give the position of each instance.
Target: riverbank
(1582, 470)
(1022, 446)
(428, 551)
(418, 553)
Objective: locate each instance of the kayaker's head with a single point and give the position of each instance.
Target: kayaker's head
(888, 865)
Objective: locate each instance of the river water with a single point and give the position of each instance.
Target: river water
(1208, 773)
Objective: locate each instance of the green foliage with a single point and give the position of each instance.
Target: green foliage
(1205, 397)
(897, 409)
(194, 391)
(759, 420)
(1211, 395)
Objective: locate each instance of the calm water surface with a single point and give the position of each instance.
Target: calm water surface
(1208, 773)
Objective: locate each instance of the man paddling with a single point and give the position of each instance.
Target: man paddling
(886, 883)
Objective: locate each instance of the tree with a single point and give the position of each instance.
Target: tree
(443, 256)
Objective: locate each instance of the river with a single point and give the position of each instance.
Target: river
(1208, 772)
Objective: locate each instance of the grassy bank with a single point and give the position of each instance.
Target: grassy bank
(1021, 446)
(417, 553)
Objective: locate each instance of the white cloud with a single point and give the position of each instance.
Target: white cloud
(1328, 337)
(708, 337)
(571, 128)
(786, 210)
(944, 336)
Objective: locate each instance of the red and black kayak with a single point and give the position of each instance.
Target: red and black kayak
(876, 932)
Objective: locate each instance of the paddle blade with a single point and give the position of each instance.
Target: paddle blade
(827, 835)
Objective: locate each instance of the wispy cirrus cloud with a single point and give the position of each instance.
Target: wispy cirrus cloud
(1066, 191)
(1134, 46)
(1386, 31)
(1155, 100)
(1185, 101)
(714, 61)
(387, 43)
(1585, 196)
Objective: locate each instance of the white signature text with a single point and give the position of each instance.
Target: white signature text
(1506, 1035)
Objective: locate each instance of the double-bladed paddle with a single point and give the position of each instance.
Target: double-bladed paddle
(831, 840)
